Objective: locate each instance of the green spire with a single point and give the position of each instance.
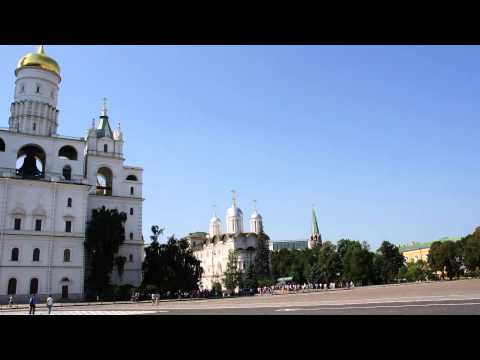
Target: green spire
(103, 128)
(315, 230)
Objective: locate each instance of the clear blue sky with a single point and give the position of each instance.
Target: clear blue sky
(382, 139)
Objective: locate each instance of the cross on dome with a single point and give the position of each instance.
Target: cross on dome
(104, 107)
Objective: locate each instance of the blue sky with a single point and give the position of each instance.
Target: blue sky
(382, 139)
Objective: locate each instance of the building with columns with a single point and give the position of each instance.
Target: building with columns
(49, 185)
(212, 248)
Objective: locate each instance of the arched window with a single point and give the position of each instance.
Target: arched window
(66, 255)
(34, 286)
(105, 148)
(12, 286)
(69, 202)
(67, 172)
(36, 254)
(15, 253)
(68, 153)
(2, 145)
(104, 181)
(132, 178)
(130, 258)
(31, 161)
(131, 190)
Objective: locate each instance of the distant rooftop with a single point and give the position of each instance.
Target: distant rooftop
(424, 245)
(290, 245)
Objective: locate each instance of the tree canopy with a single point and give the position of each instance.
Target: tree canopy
(105, 233)
(172, 266)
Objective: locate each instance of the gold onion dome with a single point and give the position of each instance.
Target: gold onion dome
(39, 60)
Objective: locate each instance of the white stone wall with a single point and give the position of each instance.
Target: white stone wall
(214, 256)
(47, 199)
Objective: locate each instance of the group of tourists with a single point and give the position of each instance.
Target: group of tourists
(32, 304)
(296, 288)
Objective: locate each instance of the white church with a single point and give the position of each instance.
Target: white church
(49, 185)
(212, 248)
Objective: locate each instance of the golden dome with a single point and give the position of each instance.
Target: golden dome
(40, 60)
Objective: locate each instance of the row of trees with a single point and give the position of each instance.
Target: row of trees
(347, 261)
(172, 267)
(456, 258)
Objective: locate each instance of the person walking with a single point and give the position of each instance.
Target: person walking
(49, 304)
(10, 301)
(32, 302)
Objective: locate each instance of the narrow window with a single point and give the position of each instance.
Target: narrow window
(2, 145)
(18, 224)
(131, 190)
(36, 255)
(38, 225)
(66, 255)
(12, 286)
(34, 126)
(38, 89)
(22, 89)
(14, 254)
(131, 211)
(131, 236)
(130, 258)
(68, 226)
(105, 148)
(69, 202)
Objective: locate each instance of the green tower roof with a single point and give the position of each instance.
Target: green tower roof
(315, 230)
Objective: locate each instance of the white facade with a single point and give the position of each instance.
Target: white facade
(49, 185)
(212, 249)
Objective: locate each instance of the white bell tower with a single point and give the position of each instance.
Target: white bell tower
(34, 108)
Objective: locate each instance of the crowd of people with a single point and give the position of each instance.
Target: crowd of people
(290, 288)
(296, 288)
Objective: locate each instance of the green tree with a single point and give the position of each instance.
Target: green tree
(329, 263)
(232, 275)
(314, 277)
(105, 233)
(415, 271)
(282, 262)
(446, 256)
(217, 288)
(250, 278)
(300, 267)
(357, 264)
(172, 266)
(390, 262)
(262, 257)
(471, 250)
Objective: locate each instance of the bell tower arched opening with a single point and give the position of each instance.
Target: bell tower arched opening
(104, 181)
(31, 161)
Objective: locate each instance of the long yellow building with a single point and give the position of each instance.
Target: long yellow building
(419, 251)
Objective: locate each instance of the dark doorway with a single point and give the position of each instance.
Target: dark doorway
(65, 292)
(33, 286)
